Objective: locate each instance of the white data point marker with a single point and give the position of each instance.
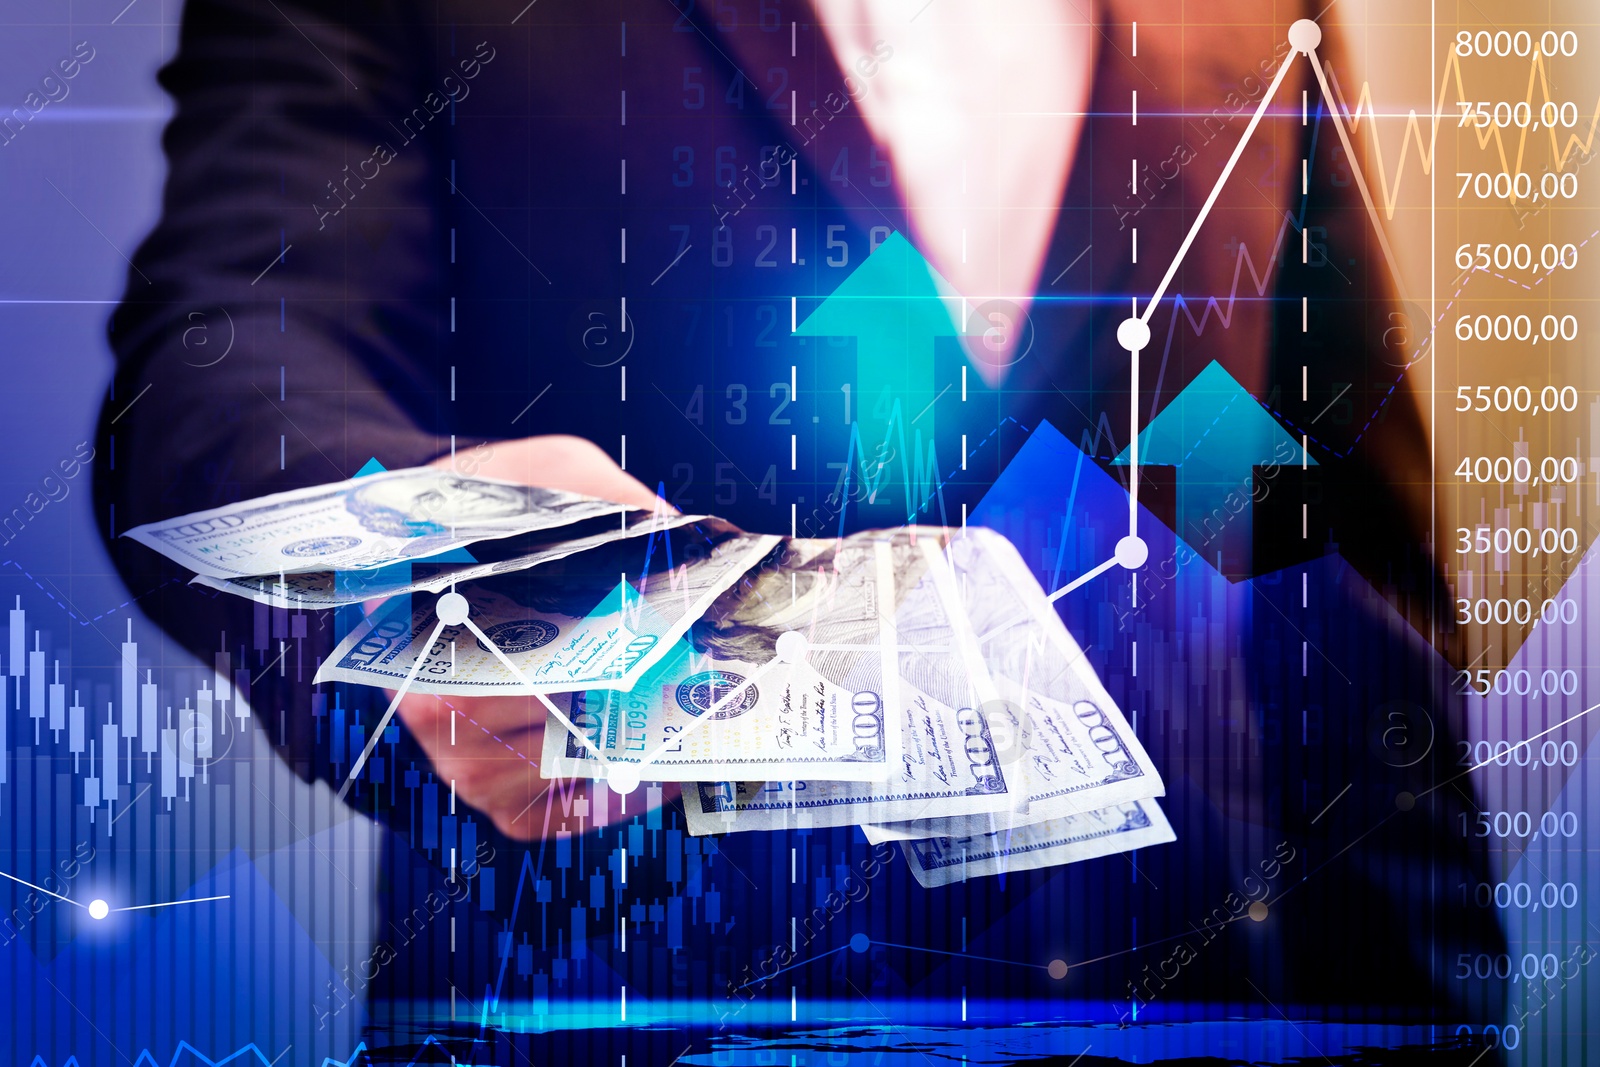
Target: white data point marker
(99, 909)
(451, 609)
(1305, 35)
(791, 646)
(622, 778)
(1133, 335)
(1132, 552)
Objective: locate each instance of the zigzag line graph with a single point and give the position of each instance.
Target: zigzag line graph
(1577, 147)
(525, 876)
(1223, 307)
(1261, 280)
(1538, 77)
(1365, 114)
(249, 1054)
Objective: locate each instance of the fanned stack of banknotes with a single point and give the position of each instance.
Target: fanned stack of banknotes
(915, 682)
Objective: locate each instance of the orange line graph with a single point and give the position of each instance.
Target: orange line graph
(1577, 144)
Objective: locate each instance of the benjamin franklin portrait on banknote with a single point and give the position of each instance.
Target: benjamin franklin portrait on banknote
(427, 504)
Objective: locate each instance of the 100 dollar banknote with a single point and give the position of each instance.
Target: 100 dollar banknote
(1077, 751)
(948, 765)
(822, 716)
(565, 628)
(331, 589)
(950, 761)
(937, 861)
(361, 523)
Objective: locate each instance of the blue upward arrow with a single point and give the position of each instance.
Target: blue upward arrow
(894, 304)
(1214, 433)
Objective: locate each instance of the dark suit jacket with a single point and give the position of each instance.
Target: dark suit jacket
(408, 223)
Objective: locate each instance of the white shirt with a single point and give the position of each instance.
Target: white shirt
(980, 109)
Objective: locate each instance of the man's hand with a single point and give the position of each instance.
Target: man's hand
(493, 762)
(554, 461)
(498, 740)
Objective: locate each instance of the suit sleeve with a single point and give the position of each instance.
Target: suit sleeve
(281, 325)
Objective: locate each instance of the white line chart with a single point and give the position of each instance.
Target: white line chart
(1133, 333)
(1131, 551)
(452, 609)
(99, 909)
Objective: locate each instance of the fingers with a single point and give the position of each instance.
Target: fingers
(489, 747)
(559, 461)
(624, 488)
(556, 461)
(490, 761)
(475, 718)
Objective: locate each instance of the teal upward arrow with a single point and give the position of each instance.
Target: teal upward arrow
(894, 305)
(1214, 433)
